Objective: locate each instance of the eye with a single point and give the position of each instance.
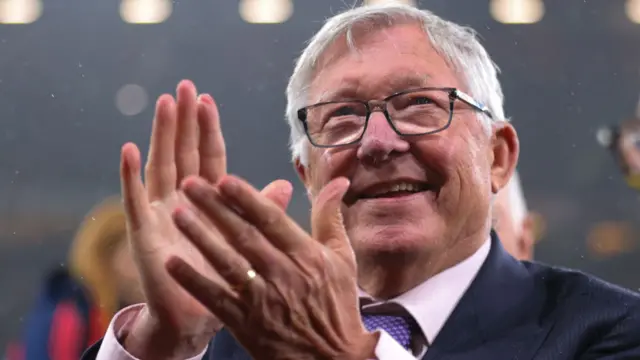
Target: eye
(416, 99)
(344, 110)
(420, 100)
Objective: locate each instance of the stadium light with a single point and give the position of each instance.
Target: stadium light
(377, 2)
(20, 11)
(145, 11)
(265, 11)
(132, 99)
(517, 11)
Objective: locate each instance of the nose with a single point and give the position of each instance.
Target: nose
(380, 141)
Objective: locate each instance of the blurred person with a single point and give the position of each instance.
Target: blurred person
(78, 301)
(398, 132)
(623, 140)
(513, 222)
(629, 151)
(100, 256)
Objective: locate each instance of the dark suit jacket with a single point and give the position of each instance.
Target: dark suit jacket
(521, 310)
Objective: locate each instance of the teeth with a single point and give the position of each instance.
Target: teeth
(400, 187)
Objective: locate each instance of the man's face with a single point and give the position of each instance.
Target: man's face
(629, 145)
(460, 166)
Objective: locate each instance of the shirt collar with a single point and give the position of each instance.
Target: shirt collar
(432, 302)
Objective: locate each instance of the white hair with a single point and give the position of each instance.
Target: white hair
(458, 45)
(517, 203)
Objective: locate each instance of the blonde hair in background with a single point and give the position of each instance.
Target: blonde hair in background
(517, 201)
(102, 230)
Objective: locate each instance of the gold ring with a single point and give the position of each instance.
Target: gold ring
(251, 274)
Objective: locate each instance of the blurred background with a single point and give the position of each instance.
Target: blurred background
(79, 78)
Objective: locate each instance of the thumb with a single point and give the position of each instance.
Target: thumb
(279, 191)
(327, 224)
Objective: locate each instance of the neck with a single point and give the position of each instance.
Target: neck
(388, 275)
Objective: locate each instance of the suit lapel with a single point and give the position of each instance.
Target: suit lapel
(225, 347)
(499, 314)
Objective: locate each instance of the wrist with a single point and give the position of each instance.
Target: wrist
(148, 338)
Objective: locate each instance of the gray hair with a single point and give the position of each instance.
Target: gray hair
(517, 203)
(509, 201)
(457, 44)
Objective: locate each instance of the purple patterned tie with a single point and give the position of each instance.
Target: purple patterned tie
(399, 327)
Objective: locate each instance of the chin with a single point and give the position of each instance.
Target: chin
(387, 239)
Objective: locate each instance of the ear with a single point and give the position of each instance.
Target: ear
(506, 148)
(305, 177)
(527, 238)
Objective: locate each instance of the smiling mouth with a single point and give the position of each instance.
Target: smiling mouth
(391, 190)
(395, 190)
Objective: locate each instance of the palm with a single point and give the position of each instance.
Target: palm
(158, 243)
(186, 140)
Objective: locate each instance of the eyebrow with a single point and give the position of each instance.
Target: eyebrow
(348, 89)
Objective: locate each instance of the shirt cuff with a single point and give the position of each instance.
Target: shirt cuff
(111, 349)
(389, 349)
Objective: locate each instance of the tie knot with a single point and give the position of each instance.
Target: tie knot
(401, 328)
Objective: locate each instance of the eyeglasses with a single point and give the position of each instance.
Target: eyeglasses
(414, 112)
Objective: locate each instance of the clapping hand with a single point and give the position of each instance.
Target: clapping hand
(186, 140)
(283, 293)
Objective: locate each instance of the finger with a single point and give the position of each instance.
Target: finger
(230, 265)
(160, 171)
(241, 235)
(213, 295)
(134, 195)
(263, 214)
(278, 191)
(187, 158)
(213, 156)
(327, 225)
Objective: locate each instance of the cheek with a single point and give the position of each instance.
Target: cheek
(471, 158)
(327, 164)
(632, 157)
(457, 156)
(440, 155)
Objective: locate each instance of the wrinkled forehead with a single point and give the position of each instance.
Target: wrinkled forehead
(375, 63)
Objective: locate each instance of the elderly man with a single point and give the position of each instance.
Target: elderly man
(512, 221)
(398, 133)
(628, 149)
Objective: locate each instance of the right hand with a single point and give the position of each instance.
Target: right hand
(186, 140)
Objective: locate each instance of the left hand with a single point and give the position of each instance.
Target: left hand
(302, 302)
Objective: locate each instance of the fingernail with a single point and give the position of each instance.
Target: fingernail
(205, 98)
(229, 185)
(182, 215)
(175, 265)
(194, 186)
(286, 189)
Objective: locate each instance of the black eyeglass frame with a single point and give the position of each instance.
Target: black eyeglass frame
(381, 105)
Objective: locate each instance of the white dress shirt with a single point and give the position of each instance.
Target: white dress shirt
(430, 304)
